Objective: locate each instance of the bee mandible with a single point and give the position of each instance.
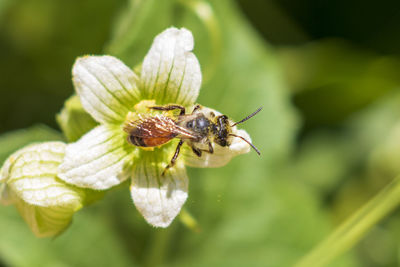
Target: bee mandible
(197, 129)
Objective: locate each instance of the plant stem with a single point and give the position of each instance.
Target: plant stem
(158, 248)
(354, 228)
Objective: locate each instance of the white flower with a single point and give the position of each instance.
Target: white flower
(110, 92)
(29, 180)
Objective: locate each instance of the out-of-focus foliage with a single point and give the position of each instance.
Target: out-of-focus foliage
(39, 41)
(92, 243)
(12, 141)
(338, 78)
(329, 130)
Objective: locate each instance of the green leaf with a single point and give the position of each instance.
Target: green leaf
(354, 228)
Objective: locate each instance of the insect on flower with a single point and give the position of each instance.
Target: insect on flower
(114, 95)
(198, 129)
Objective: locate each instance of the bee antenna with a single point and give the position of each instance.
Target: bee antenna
(248, 117)
(258, 151)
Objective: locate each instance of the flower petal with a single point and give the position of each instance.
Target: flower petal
(107, 87)
(99, 160)
(170, 71)
(45, 202)
(6, 197)
(159, 198)
(45, 221)
(33, 177)
(221, 155)
(5, 169)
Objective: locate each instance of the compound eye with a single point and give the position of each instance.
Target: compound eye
(189, 124)
(222, 142)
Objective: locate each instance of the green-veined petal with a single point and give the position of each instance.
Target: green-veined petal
(99, 160)
(46, 203)
(45, 221)
(5, 169)
(106, 87)
(158, 198)
(6, 196)
(33, 177)
(170, 71)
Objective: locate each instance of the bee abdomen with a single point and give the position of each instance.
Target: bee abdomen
(137, 141)
(149, 141)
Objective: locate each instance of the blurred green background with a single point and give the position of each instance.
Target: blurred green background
(327, 74)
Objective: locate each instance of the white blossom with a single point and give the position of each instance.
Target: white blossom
(110, 92)
(29, 180)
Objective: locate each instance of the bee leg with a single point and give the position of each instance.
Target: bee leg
(172, 163)
(199, 152)
(196, 151)
(170, 107)
(210, 148)
(196, 108)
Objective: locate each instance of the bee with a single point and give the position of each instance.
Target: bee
(200, 128)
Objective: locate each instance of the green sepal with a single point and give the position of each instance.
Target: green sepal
(92, 196)
(45, 221)
(73, 120)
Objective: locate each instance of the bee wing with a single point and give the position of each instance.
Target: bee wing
(156, 127)
(184, 133)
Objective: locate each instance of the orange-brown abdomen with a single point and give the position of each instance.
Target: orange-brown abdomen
(148, 142)
(151, 132)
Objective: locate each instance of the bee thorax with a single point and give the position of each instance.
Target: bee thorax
(198, 124)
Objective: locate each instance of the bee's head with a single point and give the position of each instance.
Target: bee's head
(222, 131)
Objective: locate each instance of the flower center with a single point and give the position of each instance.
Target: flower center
(147, 128)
